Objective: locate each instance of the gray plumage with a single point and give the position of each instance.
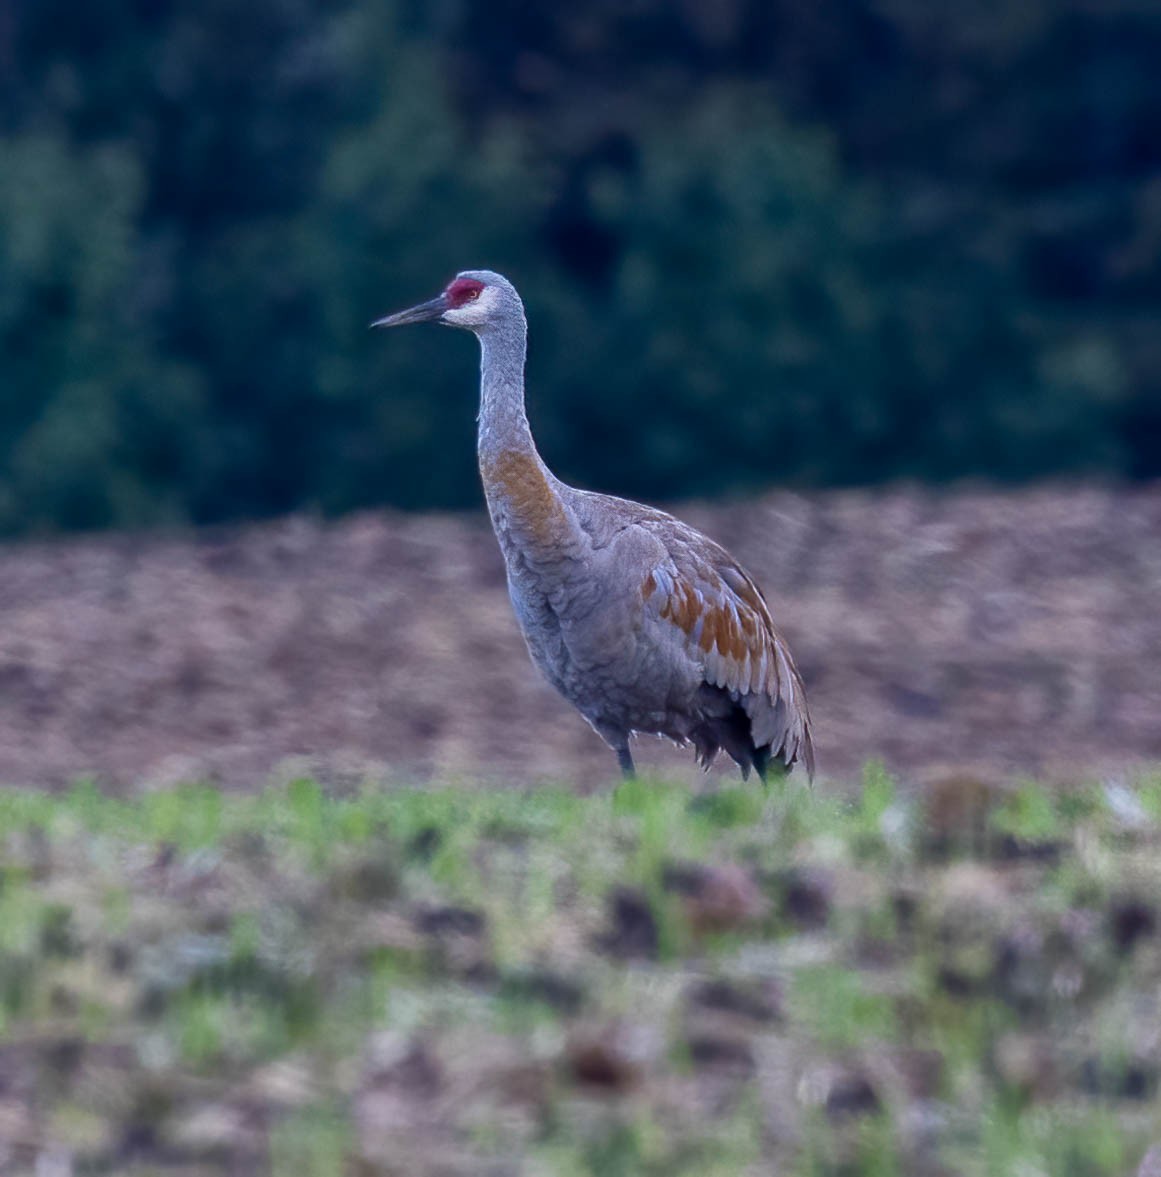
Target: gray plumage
(641, 622)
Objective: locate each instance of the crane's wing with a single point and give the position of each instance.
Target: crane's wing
(724, 624)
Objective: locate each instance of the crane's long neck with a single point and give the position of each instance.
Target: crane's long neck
(524, 498)
(503, 423)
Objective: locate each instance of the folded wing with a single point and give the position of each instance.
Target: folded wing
(724, 625)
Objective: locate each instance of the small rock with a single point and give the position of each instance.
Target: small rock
(417, 1073)
(1134, 1079)
(438, 921)
(972, 892)
(1131, 919)
(1009, 848)
(717, 898)
(728, 1052)
(284, 1083)
(551, 988)
(920, 1071)
(841, 1091)
(1125, 806)
(456, 943)
(613, 1057)
(527, 1082)
(1026, 1063)
(757, 1002)
(213, 1127)
(120, 956)
(807, 896)
(906, 904)
(633, 928)
(851, 1094)
(425, 843)
(392, 930)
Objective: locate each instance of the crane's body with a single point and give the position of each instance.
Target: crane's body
(641, 622)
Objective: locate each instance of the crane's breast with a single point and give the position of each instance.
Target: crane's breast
(522, 502)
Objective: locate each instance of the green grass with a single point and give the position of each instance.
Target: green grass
(642, 981)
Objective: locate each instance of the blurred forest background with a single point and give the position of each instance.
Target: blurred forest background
(760, 241)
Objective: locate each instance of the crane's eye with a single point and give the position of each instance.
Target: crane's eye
(464, 290)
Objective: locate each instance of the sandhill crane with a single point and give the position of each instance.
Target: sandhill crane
(642, 623)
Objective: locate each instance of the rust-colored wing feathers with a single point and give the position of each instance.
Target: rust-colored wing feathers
(728, 631)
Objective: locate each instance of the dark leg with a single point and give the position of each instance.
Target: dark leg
(625, 760)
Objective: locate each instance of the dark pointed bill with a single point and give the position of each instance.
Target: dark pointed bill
(425, 312)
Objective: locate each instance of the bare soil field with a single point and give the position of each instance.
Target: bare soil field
(1006, 632)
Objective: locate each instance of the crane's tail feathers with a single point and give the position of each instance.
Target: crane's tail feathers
(768, 737)
(780, 733)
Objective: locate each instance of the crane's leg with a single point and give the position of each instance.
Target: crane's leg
(625, 760)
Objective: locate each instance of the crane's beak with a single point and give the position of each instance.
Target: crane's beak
(424, 313)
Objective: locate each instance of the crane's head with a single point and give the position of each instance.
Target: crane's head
(475, 299)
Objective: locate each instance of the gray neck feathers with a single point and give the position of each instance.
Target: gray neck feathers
(503, 423)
